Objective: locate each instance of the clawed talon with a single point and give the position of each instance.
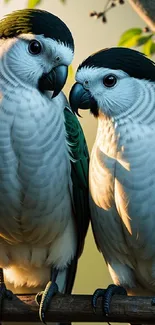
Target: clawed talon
(4, 292)
(106, 295)
(38, 297)
(44, 298)
(111, 290)
(97, 294)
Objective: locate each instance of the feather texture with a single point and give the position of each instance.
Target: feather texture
(44, 201)
(38, 22)
(79, 172)
(37, 228)
(118, 86)
(122, 185)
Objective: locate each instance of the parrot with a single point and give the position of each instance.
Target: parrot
(44, 159)
(117, 84)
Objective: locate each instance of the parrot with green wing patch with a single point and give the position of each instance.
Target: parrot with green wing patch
(44, 208)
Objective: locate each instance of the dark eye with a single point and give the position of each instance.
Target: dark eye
(58, 58)
(109, 80)
(86, 83)
(34, 47)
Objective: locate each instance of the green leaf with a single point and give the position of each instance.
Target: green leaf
(143, 39)
(149, 48)
(70, 72)
(63, 1)
(129, 38)
(33, 3)
(6, 1)
(132, 42)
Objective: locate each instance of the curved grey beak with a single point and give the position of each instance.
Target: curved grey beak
(81, 98)
(54, 80)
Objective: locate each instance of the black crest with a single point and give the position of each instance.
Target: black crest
(134, 63)
(38, 22)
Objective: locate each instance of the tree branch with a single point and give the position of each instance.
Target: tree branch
(146, 10)
(77, 308)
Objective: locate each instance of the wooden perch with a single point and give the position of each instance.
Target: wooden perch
(77, 308)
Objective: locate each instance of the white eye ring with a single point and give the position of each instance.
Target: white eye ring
(57, 58)
(86, 83)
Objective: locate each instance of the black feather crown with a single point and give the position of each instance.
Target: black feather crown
(134, 63)
(38, 22)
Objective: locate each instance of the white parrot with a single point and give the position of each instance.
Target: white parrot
(118, 85)
(44, 206)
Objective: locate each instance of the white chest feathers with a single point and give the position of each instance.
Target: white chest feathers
(35, 191)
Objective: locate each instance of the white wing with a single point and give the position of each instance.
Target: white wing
(123, 189)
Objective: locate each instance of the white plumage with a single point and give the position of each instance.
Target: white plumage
(122, 175)
(37, 226)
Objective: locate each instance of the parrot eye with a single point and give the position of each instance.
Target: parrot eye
(109, 80)
(86, 84)
(57, 58)
(34, 47)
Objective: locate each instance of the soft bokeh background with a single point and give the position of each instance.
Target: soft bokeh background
(89, 35)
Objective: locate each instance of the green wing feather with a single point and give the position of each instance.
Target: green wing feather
(79, 173)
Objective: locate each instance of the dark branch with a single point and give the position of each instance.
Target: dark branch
(77, 308)
(146, 10)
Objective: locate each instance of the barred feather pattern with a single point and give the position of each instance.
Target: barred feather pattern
(122, 192)
(37, 230)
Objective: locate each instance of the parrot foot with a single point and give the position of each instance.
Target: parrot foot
(106, 295)
(44, 298)
(4, 292)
